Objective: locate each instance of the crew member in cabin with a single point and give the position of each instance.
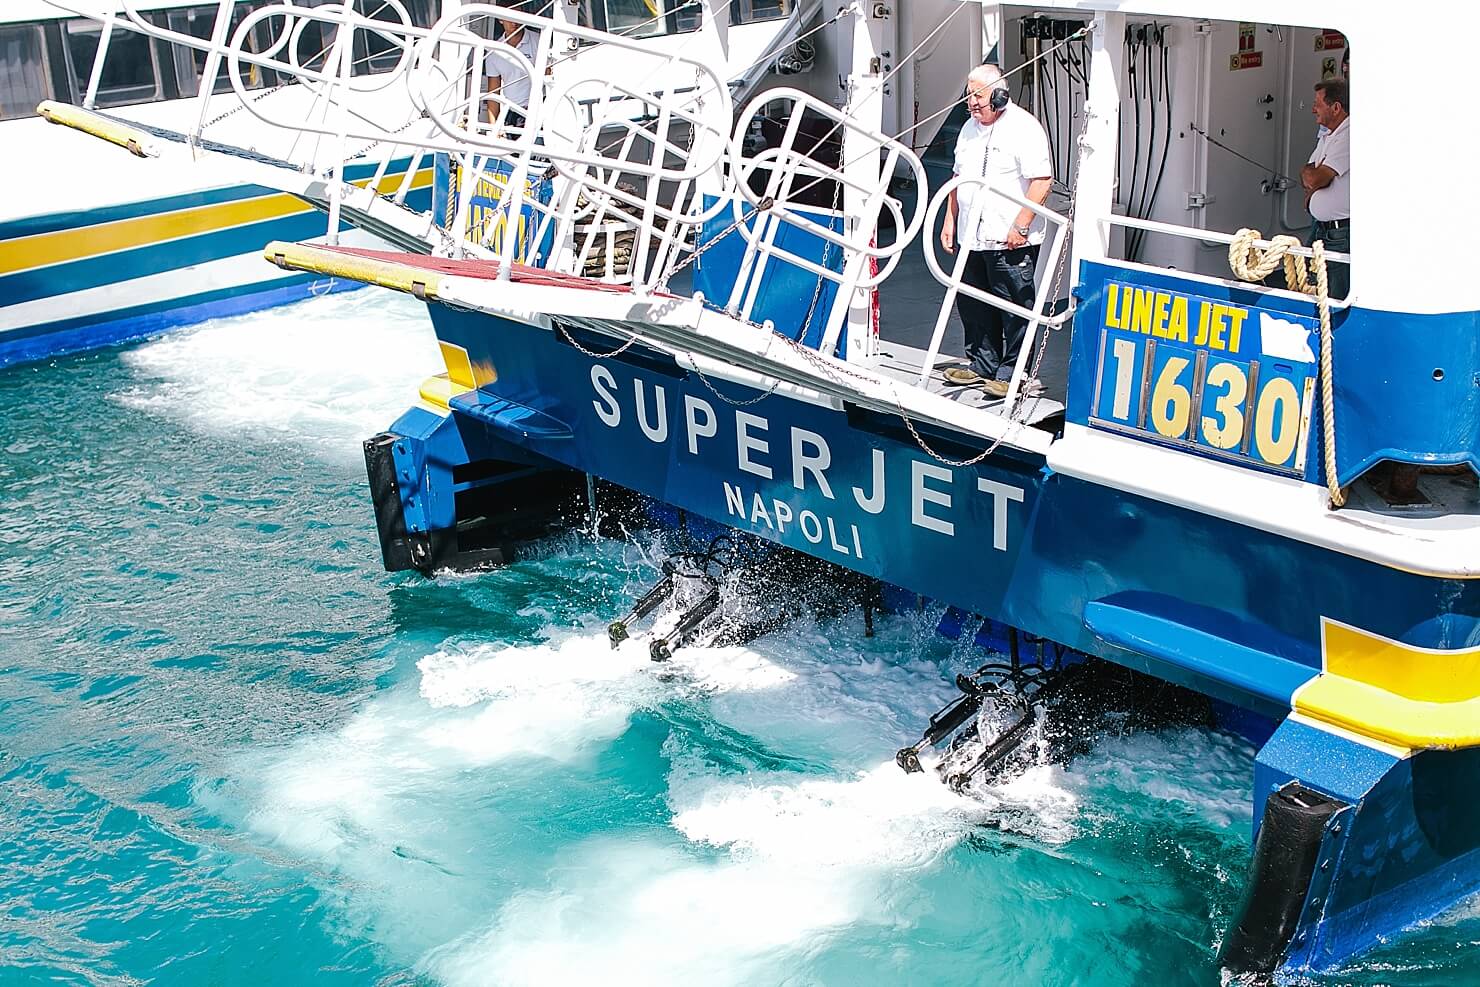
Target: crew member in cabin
(503, 75)
(1327, 179)
(1002, 143)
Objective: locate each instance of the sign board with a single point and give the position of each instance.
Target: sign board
(1329, 40)
(1219, 379)
(1246, 57)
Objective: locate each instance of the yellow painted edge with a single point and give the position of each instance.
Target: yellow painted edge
(41, 249)
(1426, 674)
(459, 366)
(1395, 693)
(440, 391)
(1392, 719)
(368, 270)
(95, 125)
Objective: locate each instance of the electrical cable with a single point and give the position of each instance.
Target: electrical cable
(1137, 207)
(1130, 197)
(1166, 145)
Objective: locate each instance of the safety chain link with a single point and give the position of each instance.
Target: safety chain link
(593, 354)
(376, 143)
(736, 402)
(698, 251)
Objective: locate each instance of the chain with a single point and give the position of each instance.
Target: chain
(376, 143)
(593, 354)
(293, 80)
(698, 251)
(826, 252)
(733, 402)
(243, 105)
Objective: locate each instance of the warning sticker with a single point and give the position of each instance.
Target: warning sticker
(1245, 60)
(1328, 69)
(1329, 40)
(1245, 37)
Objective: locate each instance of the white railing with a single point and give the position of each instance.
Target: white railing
(634, 184)
(1213, 236)
(785, 165)
(955, 284)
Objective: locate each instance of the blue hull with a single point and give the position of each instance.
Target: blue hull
(1229, 611)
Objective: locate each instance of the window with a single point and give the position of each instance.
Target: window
(749, 11)
(190, 63)
(641, 18)
(130, 74)
(23, 71)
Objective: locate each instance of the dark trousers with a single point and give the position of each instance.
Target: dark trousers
(994, 338)
(1339, 239)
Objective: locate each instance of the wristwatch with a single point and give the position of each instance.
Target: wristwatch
(1022, 230)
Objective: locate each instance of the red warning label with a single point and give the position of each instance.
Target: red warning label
(1329, 40)
(1245, 60)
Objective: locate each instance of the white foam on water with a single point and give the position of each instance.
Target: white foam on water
(762, 866)
(368, 802)
(789, 859)
(325, 372)
(1208, 772)
(753, 873)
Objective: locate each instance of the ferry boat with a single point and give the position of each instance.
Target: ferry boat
(735, 316)
(104, 246)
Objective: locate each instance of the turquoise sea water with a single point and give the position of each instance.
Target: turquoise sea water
(233, 750)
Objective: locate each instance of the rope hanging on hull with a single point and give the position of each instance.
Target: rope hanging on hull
(1251, 263)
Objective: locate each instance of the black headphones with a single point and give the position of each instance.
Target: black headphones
(999, 99)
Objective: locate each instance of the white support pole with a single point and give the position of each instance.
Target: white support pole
(90, 100)
(872, 36)
(1095, 197)
(213, 65)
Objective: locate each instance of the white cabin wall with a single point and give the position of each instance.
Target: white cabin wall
(1262, 111)
(937, 76)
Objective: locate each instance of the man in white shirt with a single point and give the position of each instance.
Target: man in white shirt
(1005, 145)
(1327, 179)
(504, 75)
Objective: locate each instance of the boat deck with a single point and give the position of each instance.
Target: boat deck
(909, 303)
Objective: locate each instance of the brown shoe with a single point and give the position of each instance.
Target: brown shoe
(995, 388)
(961, 376)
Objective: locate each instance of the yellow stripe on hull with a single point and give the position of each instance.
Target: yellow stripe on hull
(1395, 693)
(61, 246)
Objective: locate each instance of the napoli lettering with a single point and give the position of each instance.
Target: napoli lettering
(1168, 315)
(801, 459)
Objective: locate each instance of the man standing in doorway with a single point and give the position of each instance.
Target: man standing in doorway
(1327, 179)
(1003, 144)
(505, 76)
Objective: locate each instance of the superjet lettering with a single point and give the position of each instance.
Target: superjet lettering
(801, 457)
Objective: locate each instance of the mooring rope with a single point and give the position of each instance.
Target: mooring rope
(1251, 263)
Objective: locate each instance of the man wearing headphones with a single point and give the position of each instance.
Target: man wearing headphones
(1003, 144)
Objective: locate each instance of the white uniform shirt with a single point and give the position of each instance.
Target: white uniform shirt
(1009, 154)
(515, 85)
(1333, 150)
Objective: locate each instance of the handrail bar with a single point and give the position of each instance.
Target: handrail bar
(1191, 234)
(1219, 237)
(954, 285)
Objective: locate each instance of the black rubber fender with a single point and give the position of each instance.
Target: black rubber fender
(1285, 855)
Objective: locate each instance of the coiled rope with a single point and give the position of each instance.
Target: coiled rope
(1251, 263)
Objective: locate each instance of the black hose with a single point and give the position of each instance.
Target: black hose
(1166, 145)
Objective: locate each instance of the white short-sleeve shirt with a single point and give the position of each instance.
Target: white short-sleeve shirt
(1010, 153)
(1333, 150)
(515, 81)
